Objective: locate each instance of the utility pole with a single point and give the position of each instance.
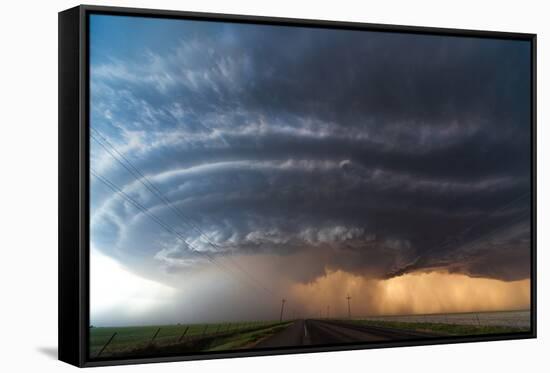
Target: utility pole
(282, 309)
(349, 308)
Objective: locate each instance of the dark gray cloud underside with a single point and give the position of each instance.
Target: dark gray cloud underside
(381, 152)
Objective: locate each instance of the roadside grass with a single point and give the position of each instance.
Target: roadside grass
(442, 328)
(245, 340)
(135, 337)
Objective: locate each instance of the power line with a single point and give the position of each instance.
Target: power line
(486, 235)
(282, 309)
(349, 307)
(142, 178)
(156, 219)
(444, 244)
(491, 214)
(495, 231)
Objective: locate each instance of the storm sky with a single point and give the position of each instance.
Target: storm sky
(287, 155)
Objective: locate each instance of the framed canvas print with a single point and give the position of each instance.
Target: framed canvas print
(240, 186)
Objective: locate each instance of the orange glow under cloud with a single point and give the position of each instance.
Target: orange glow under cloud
(413, 293)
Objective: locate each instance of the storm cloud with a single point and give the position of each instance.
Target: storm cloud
(371, 153)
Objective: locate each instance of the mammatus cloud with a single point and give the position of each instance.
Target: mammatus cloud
(373, 154)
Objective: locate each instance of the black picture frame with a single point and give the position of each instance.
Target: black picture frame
(74, 181)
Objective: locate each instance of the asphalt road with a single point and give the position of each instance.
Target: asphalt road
(321, 332)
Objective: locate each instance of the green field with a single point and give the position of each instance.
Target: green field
(443, 328)
(156, 340)
(129, 339)
(245, 339)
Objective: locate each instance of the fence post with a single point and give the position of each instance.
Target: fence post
(183, 335)
(154, 336)
(106, 344)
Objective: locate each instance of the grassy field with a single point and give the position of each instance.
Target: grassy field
(164, 339)
(245, 339)
(514, 319)
(443, 328)
(230, 335)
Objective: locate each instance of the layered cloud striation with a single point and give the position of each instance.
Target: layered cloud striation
(372, 153)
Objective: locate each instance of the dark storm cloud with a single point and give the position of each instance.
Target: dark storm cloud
(382, 153)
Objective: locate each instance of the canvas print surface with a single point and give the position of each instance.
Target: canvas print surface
(260, 186)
